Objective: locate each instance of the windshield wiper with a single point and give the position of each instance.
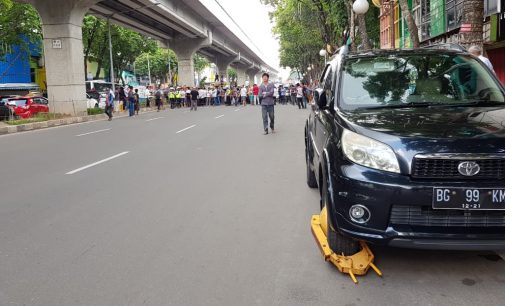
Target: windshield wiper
(475, 103)
(402, 105)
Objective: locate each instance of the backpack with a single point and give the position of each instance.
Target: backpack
(158, 94)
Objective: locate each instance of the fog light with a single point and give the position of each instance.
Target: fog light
(359, 214)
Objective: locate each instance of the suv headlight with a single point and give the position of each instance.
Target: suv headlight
(368, 152)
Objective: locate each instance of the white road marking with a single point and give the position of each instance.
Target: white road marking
(237, 109)
(189, 127)
(219, 117)
(99, 131)
(187, 112)
(97, 163)
(152, 119)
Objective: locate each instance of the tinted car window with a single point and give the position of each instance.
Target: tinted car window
(432, 78)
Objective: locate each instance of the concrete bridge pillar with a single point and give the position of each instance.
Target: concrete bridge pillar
(185, 50)
(223, 62)
(241, 76)
(63, 52)
(251, 74)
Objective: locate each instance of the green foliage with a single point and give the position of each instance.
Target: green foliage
(39, 117)
(232, 75)
(200, 63)
(158, 62)
(127, 45)
(202, 82)
(304, 27)
(95, 111)
(19, 26)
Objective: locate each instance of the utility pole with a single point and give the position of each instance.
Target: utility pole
(111, 58)
(149, 69)
(170, 72)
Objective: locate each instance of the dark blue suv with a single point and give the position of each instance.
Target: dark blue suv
(407, 148)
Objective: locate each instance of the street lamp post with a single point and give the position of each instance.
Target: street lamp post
(360, 7)
(111, 60)
(149, 69)
(154, 3)
(323, 53)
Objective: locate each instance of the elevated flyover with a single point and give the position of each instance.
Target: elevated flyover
(187, 27)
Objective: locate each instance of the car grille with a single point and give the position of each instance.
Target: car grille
(448, 168)
(426, 216)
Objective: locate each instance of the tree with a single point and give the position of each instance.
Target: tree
(127, 46)
(411, 23)
(232, 75)
(158, 63)
(304, 27)
(473, 14)
(94, 39)
(200, 63)
(19, 26)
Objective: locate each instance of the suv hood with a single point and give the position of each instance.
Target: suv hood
(459, 122)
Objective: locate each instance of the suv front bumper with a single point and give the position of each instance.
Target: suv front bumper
(380, 191)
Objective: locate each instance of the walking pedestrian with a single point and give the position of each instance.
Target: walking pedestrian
(234, 97)
(131, 102)
(122, 99)
(251, 96)
(202, 96)
(148, 97)
(243, 95)
(292, 92)
(282, 94)
(276, 95)
(137, 102)
(157, 97)
(171, 96)
(222, 94)
(209, 96)
(215, 95)
(266, 93)
(299, 95)
(109, 103)
(180, 97)
(256, 100)
(194, 99)
(188, 96)
(305, 91)
(477, 52)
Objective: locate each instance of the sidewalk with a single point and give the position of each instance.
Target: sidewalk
(10, 129)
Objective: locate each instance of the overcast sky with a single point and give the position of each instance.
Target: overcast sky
(252, 17)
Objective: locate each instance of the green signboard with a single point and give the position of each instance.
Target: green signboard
(437, 13)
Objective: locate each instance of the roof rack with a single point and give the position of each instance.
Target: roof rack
(446, 46)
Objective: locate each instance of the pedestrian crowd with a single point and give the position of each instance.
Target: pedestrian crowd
(265, 94)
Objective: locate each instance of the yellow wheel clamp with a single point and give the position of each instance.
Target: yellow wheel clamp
(357, 264)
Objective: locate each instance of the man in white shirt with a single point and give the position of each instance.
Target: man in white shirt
(477, 52)
(243, 95)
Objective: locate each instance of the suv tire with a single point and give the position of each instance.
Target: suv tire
(311, 176)
(339, 244)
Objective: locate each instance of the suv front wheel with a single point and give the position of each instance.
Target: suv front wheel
(311, 176)
(340, 244)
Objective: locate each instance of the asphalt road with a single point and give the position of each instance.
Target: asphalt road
(180, 208)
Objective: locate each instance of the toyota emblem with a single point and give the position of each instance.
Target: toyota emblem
(468, 168)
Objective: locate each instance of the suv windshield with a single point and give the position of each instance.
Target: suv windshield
(423, 80)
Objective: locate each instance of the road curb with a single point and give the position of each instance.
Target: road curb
(11, 129)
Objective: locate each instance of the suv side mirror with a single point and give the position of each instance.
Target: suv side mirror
(320, 98)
